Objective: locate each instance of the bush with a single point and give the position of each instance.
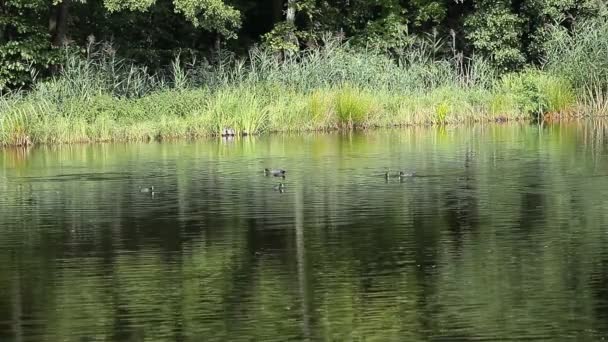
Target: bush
(581, 56)
(441, 112)
(352, 106)
(537, 93)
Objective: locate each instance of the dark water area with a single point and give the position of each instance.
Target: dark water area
(503, 235)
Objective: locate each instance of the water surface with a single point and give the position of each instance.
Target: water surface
(503, 236)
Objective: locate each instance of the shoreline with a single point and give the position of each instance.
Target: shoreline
(345, 130)
(39, 118)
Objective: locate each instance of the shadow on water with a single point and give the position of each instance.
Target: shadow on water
(533, 197)
(461, 204)
(499, 237)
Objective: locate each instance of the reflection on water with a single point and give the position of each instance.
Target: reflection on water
(502, 237)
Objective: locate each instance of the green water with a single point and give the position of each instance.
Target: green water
(504, 236)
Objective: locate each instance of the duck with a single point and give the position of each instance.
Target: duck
(275, 172)
(400, 175)
(150, 189)
(228, 132)
(279, 187)
(388, 174)
(406, 174)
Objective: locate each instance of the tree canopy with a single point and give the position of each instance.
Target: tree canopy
(510, 33)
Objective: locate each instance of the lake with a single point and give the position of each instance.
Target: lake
(502, 235)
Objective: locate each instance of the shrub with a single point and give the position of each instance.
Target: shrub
(537, 93)
(352, 106)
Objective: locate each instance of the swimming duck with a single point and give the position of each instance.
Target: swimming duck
(150, 189)
(279, 187)
(388, 174)
(406, 174)
(275, 172)
(228, 132)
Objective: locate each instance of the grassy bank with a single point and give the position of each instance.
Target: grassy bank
(98, 98)
(248, 108)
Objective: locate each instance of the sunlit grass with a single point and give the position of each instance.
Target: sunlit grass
(174, 114)
(580, 56)
(537, 93)
(352, 106)
(100, 98)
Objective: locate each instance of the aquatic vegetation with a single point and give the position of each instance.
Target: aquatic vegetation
(441, 112)
(502, 103)
(581, 56)
(537, 93)
(194, 113)
(325, 88)
(352, 106)
(595, 101)
(319, 108)
(236, 107)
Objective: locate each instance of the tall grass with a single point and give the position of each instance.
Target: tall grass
(581, 57)
(537, 93)
(98, 97)
(595, 100)
(237, 107)
(352, 106)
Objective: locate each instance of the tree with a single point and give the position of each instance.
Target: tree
(539, 16)
(24, 41)
(510, 33)
(211, 15)
(496, 32)
(29, 29)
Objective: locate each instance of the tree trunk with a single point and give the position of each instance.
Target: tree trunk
(58, 23)
(218, 43)
(52, 20)
(290, 16)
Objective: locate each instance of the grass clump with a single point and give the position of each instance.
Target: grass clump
(320, 109)
(441, 112)
(238, 107)
(537, 93)
(352, 106)
(581, 57)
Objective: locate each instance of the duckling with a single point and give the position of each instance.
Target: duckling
(275, 172)
(388, 175)
(408, 174)
(228, 132)
(150, 189)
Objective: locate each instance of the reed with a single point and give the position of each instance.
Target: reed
(99, 97)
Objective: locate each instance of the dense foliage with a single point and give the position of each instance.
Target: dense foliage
(509, 33)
